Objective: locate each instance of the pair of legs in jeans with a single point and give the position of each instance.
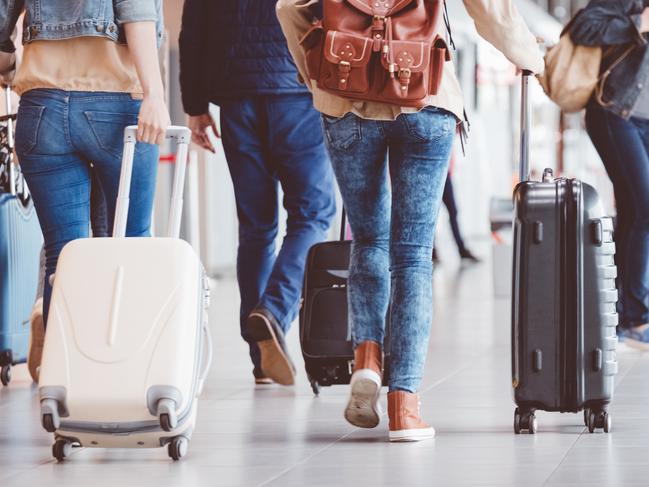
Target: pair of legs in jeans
(623, 145)
(392, 208)
(59, 135)
(271, 141)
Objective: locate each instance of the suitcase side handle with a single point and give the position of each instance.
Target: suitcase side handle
(182, 136)
(526, 119)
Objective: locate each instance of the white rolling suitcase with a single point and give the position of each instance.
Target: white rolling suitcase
(127, 347)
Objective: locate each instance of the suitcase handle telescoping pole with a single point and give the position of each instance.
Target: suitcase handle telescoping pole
(526, 122)
(182, 136)
(10, 141)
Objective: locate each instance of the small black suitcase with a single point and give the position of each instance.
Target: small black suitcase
(564, 298)
(325, 333)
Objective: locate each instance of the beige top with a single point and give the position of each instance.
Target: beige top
(497, 21)
(77, 64)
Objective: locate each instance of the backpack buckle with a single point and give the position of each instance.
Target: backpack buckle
(344, 68)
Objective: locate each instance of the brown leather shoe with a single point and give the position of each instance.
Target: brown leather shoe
(36, 340)
(276, 363)
(363, 409)
(405, 422)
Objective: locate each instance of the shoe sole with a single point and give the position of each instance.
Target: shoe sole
(274, 362)
(363, 409)
(409, 436)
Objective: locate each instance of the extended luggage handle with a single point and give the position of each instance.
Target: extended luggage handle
(526, 122)
(182, 136)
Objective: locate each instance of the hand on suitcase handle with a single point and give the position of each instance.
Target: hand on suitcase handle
(181, 134)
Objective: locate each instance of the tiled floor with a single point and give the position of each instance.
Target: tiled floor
(274, 436)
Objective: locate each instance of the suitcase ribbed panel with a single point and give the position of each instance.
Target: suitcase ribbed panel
(20, 245)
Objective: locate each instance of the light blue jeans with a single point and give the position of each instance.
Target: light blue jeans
(58, 135)
(392, 210)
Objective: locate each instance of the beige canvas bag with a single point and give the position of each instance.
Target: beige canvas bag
(572, 72)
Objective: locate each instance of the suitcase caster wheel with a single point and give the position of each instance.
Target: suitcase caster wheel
(165, 422)
(607, 423)
(178, 448)
(315, 387)
(517, 422)
(48, 423)
(532, 424)
(61, 449)
(592, 421)
(5, 375)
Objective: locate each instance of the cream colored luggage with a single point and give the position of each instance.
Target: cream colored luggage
(127, 347)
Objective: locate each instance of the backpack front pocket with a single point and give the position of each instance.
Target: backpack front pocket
(407, 68)
(346, 66)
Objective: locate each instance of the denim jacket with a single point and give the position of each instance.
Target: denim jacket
(64, 19)
(614, 25)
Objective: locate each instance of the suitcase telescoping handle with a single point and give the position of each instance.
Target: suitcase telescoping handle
(182, 136)
(10, 140)
(526, 122)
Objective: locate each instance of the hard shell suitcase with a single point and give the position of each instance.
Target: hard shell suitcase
(563, 304)
(127, 347)
(325, 332)
(20, 244)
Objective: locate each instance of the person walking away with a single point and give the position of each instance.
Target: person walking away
(80, 87)
(448, 198)
(617, 121)
(233, 54)
(393, 219)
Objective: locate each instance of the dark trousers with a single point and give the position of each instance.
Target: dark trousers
(623, 145)
(449, 201)
(271, 140)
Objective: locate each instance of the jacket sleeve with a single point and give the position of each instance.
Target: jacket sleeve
(500, 23)
(607, 23)
(192, 43)
(135, 11)
(10, 10)
(296, 17)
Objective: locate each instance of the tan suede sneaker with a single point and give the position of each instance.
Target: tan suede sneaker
(405, 421)
(363, 409)
(36, 340)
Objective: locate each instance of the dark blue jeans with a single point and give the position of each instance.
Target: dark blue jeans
(58, 135)
(393, 222)
(623, 145)
(271, 140)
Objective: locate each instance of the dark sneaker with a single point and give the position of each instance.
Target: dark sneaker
(275, 362)
(466, 254)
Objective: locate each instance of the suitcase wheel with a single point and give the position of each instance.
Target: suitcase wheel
(315, 387)
(5, 375)
(167, 414)
(525, 420)
(598, 420)
(178, 448)
(61, 449)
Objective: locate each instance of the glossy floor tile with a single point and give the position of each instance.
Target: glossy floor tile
(275, 436)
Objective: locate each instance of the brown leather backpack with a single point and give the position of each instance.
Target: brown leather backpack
(388, 51)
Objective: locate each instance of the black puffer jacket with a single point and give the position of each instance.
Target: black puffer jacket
(615, 24)
(232, 48)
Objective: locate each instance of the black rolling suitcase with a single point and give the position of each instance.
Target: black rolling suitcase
(325, 333)
(564, 298)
